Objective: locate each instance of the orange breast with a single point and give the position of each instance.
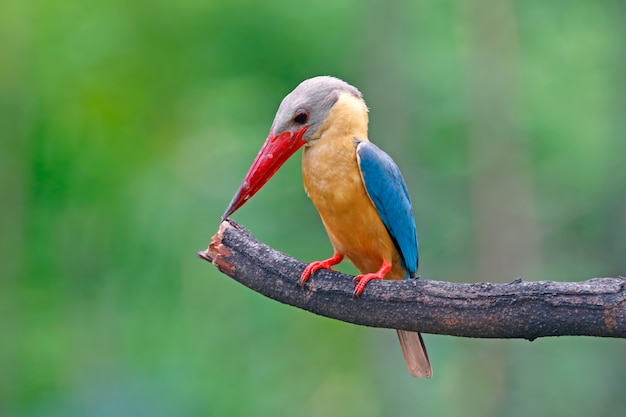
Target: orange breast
(333, 181)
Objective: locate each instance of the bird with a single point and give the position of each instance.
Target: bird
(356, 187)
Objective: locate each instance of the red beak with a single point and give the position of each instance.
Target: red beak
(275, 151)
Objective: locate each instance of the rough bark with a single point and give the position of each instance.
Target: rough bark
(519, 309)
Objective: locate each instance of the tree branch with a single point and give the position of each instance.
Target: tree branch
(519, 309)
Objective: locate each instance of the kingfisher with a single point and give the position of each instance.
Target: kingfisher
(357, 189)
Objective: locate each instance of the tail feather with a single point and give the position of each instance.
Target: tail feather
(415, 355)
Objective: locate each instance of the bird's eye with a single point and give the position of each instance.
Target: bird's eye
(301, 117)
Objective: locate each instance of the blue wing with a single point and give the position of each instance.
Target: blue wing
(387, 190)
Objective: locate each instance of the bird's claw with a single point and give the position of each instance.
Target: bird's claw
(362, 282)
(310, 269)
(317, 265)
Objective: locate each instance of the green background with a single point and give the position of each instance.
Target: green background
(127, 126)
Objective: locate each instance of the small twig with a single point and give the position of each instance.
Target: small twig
(519, 309)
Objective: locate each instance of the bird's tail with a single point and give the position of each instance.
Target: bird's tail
(415, 355)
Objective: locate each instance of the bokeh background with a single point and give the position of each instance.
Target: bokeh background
(126, 127)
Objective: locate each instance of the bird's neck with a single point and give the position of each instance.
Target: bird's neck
(347, 119)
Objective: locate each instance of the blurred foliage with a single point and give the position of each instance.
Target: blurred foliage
(125, 128)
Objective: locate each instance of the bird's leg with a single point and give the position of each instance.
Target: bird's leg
(365, 278)
(314, 266)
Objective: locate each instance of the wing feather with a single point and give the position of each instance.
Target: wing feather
(387, 190)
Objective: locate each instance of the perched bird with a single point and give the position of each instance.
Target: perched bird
(356, 187)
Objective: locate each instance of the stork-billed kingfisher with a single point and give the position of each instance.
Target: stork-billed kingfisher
(356, 187)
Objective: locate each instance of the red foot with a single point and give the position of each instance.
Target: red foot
(365, 278)
(314, 266)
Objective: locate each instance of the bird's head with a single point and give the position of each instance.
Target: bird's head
(299, 120)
